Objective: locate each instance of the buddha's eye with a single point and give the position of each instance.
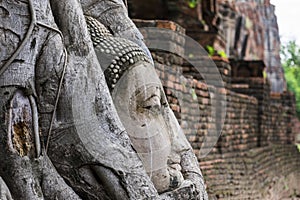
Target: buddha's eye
(150, 101)
(153, 103)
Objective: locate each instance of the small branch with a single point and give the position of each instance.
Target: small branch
(9, 130)
(51, 28)
(57, 98)
(35, 126)
(60, 83)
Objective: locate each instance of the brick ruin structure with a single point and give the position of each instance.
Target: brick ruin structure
(255, 156)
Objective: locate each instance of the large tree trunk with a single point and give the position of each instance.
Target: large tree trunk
(42, 44)
(27, 172)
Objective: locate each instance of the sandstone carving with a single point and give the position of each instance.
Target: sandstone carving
(143, 109)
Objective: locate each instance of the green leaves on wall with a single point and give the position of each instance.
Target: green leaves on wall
(192, 3)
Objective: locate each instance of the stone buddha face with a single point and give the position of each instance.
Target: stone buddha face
(141, 104)
(152, 127)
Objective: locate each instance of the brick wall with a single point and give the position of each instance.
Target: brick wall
(254, 152)
(250, 174)
(275, 113)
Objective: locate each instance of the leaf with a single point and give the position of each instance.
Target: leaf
(265, 74)
(292, 76)
(210, 50)
(222, 54)
(193, 3)
(194, 95)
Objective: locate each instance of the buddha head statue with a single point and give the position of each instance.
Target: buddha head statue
(143, 109)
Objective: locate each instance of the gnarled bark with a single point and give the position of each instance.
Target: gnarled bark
(88, 160)
(53, 90)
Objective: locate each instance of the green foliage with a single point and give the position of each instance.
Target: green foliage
(290, 54)
(292, 76)
(265, 74)
(194, 95)
(202, 21)
(210, 50)
(222, 54)
(192, 3)
(298, 145)
(286, 186)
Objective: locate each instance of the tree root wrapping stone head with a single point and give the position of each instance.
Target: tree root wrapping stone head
(143, 109)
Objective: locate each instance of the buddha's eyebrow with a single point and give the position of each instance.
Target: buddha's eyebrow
(148, 92)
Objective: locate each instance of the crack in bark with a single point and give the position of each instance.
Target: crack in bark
(22, 140)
